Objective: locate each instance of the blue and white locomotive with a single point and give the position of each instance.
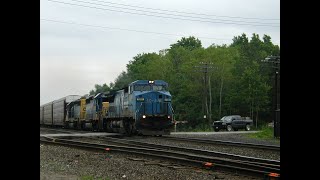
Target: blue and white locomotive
(143, 107)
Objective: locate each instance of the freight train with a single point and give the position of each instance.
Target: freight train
(143, 107)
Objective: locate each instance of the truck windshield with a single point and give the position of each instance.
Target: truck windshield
(226, 118)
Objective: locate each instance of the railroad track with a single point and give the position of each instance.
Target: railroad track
(185, 149)
(228, 143)
(68, 131)
(195, 140)
(60, 130)
(247, 165)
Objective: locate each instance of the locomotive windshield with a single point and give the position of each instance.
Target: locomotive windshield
(149, 88)
(142, 88)
(159, 88)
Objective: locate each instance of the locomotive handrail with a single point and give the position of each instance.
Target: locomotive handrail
(138, 110)
(172, 112)
(171, 108)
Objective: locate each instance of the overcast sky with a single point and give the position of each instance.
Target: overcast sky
(82, 46)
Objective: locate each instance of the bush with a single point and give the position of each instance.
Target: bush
(197, 128)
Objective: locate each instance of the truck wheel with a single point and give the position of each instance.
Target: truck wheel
(247, 127)
(229, 128)
(216, 130)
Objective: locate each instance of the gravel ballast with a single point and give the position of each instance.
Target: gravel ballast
(59, 162)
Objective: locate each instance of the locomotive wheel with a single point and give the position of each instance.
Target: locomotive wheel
(83, 126)
(108, 126)
(93, 125)
(129, 127)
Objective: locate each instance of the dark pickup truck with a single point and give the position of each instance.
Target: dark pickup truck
(233, 122)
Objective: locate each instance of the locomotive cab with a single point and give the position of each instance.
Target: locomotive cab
(153, 109)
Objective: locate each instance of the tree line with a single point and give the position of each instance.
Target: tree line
(215, 81)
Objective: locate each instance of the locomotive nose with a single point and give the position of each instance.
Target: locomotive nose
(154, 103)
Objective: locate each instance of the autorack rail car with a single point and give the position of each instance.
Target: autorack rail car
(54, 113)
(143, 107)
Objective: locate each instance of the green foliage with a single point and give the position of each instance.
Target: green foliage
(202, 128)
(142, 65)
(251, 92)
(122, 81)
(100, 89)
(240, 83)
(190, 43)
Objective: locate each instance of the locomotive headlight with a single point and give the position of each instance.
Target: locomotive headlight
(169, 117)
(140, 99)
(144, 116)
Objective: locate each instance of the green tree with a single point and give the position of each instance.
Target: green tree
(238, 82)
(251, 90)
(122, 81)
(100, 89)
(254, 90)
(191, 43)
(138, 68)
(223, 59)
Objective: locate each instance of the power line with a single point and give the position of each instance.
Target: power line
(122, 29)
(172, 14)
(183, 12)
(155, 15)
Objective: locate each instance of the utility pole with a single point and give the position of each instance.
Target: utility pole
(206, 68)
(275, 64)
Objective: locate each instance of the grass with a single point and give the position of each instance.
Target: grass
(264, 133)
